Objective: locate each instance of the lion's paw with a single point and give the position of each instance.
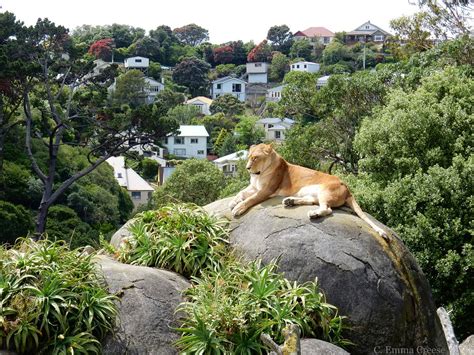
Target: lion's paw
(239, 209)
(288, 201)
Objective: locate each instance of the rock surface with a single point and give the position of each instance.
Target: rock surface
(149, 298)
(377, 285)
(319, 347)
(467, 346)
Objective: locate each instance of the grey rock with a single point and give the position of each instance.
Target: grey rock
(120, 234)
(467, 346)
(376, 284)
(319, 347)
(148, 300)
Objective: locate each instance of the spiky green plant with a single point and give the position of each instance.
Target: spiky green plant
(228, 309)
(180, 237)
(52, 300)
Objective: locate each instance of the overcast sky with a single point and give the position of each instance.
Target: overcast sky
(225, 20)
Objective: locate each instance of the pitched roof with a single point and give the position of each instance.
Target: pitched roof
(241, 154)
(317, 32)
(227, 78)
(204, 99)
(127, 177)
(362, 30)
(192, 131)
(275, 120)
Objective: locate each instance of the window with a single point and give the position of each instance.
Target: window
(277, 134)
(367, 27)
(136, 195)
(194, 141)
(119, 175)
(293, 66)
(138, 60)
(305, 66)
(378, 38)
(200, 152)
(258, 65)
(219, 86)
(327, 40)
(180, 152)
(297, 66)
(270, 126)
(236, 87)
(178, 140)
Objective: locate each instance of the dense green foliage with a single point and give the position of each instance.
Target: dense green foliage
(52, 300)
(196, 181)
(15, 222)
(179, 237)
(230, 307)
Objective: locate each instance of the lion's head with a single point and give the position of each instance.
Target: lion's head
(260, 158)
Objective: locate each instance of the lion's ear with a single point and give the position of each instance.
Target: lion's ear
(268, 149)
(252, 147)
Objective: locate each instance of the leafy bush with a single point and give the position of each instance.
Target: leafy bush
(149, 168)
(15, 221)
(52, 300)
(229, 308)
(182, 238)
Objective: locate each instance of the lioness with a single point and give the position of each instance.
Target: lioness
(271, 175)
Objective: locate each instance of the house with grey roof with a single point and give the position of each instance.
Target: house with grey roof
(275, 127)
(229, 85)
(190, 142)
(228, 163)
(367, 32)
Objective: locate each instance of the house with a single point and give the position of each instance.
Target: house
(319, 35)
(367, 32)
(139, 190)
(274, 94)
(191, 142)
(202, 102)
(228, 85)
(309, 67)
(141, 63)
(322, 81)
(257, 73)
(274, 127)
(228, 163)
(152, 88)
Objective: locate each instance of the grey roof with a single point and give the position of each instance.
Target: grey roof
(241, 154)
(274, 120)
(227, 78)
(192, 131)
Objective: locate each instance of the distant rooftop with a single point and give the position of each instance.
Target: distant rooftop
(241, 154)
(200, 98)
(192, 131)
(317, 32)
(275, 120)
(127, 177)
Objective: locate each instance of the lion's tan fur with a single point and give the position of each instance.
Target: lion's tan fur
(271, 175)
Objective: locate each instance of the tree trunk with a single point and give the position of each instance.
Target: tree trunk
(40, 226)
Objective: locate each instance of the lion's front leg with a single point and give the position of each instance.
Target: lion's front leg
(242, 195)
(252, 200)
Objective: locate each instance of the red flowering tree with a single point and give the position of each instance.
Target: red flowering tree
(260, 53)
(102, 48)
(223, 55)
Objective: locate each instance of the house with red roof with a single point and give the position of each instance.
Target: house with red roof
(316, 35)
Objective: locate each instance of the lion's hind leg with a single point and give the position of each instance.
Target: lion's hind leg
(322, 210)
(295, 200)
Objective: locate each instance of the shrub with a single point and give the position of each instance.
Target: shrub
(52, 300)
(182, 238)
(229, 308)
(15, 221)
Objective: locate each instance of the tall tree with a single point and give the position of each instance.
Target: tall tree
(192, 73)
(67, 106)
(281, 38)
(191, 34)
(102, 48)
(130, 88)
(301, 49)
(260, 53)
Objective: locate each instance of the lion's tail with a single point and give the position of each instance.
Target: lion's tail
(352, 203)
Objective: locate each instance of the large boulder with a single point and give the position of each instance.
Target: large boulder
(148, 301)
(319, 347)
(376, 283)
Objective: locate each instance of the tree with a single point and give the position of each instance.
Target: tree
(301, 49)
(279, 66)
(196, 181)
(223, 55)
(260, 53)
(192, 73)
(191, 34)
(248, 132)
(335, 52)
(228, 104)
(130, 88)
(149, 168)
(416, 176)
(15, 222)
(184, 114)
(67, 106)
(281, 38)
(166, 100)
(102, 48)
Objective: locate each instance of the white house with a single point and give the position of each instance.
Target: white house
(228, 85)
(191, 142)
(139, 190)
(137, 63)
(367, 32)
(309, 67)
(202, 102)
(257, 72)
(274, 94)
(322, 81)
(275, 127)
(228, 163)
(316, 35)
